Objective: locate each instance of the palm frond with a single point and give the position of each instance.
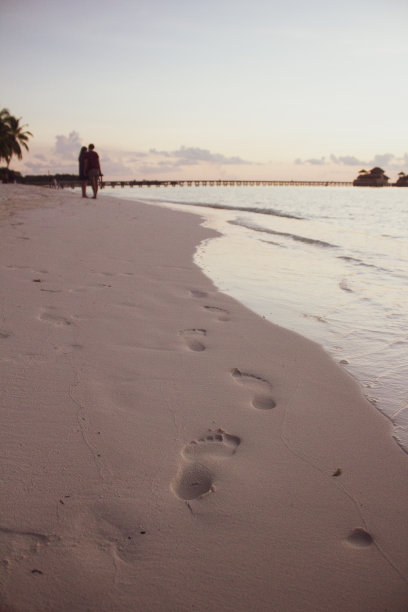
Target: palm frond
(12, 135)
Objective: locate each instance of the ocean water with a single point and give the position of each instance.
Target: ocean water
(330, 263)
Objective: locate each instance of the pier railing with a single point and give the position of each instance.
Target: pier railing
(215, 183)
(220, 183)
(202, 183)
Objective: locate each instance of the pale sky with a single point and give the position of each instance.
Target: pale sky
(222, 88)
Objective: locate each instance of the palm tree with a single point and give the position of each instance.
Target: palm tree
(4, 132)
(12, 136)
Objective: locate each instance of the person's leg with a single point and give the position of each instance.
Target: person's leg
(83, 185)
(94, 182)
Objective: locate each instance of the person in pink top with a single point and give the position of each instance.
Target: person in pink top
(93, 168)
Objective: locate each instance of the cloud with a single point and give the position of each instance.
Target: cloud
(116, 167)
(196, 155)
(313, 161)
(147, 170)
(133, 157)
(68, 146)
(347, 160)
(161, 153)
(386, 160)
(190, 156)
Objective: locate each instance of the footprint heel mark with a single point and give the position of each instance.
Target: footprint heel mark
(192, 338)
(220, 313)
(197, 293)
(193, 481)
(263, 402)
(262, 399)
(215, 444)
(359, 538)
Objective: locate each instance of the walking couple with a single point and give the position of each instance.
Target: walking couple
(89, 169)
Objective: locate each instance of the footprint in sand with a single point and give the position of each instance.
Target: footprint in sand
(192, 338)
(197, 293)
(68, 348)
(194, 479)
(117, 524)
(20, 544)
(220, 313)
(56, 319)
(359, 538)
(262, 400)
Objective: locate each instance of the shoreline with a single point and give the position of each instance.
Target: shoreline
(235, 269)
(159, 434)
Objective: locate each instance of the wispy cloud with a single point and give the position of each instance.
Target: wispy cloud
(347, 160)
(312, 161)
(195, 155)
(386, 160)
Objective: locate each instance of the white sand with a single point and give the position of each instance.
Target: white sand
(164, 448)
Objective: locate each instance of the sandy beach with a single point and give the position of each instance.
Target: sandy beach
(165, 449)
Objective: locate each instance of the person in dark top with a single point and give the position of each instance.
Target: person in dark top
(82, 175)
(92, 168)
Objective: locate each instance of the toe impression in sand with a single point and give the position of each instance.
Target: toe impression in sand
(262, 398)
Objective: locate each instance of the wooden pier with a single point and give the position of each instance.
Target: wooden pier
(223, 183)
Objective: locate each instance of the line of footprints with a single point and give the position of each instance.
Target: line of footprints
(194, 479)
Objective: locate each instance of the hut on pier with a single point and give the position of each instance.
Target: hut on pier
(402, 180)
(375, 178)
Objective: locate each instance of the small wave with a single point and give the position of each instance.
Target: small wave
(282, 246)
(344, 287)
(259, 211)
(398, 345)
(257, 228)
(348, 258)
(359, 262)
(315, 317)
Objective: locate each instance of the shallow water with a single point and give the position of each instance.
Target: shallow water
(330, 263)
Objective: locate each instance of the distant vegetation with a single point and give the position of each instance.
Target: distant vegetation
(13, 137)
(44, 179)
(11, 176)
